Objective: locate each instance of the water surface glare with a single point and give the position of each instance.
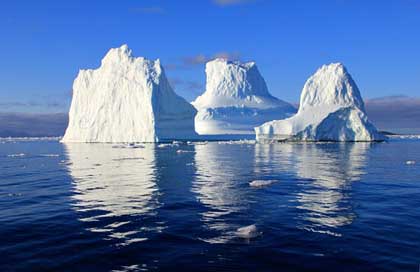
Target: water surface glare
(103, 207)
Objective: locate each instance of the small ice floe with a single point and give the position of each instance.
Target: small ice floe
(64, 162)
(261, 183)
(405, 137)
(28, 139)
(16, 155)
(410, 162)
(14, 194)
(180, 151)
(201, 143)
(248, 232)
(197, 143)
(163, 145)
(50, 155)
(238, 142)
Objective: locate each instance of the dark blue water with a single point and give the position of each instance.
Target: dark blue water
(94, 207)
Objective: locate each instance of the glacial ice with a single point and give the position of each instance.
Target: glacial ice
(261, 183)
(331, 109)
(127, 99)
(236, 100)
(248, 232)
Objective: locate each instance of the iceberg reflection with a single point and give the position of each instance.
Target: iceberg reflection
(112, 184)
(325, 173)
(219, 185)
(325, 199)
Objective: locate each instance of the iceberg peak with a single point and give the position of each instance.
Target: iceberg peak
(236, 99)
(127, 99)
(118, 54)
(331, 86)
(232, 83)
(331, 109)
(226, 61)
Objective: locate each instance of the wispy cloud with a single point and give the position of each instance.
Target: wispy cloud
(148, 10)
(224, 3)
(200, 59)
(186, 85)
(195, 60)
(228, 55)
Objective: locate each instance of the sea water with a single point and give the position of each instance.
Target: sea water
(178, 207)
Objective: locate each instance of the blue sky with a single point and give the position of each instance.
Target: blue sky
(45, 43)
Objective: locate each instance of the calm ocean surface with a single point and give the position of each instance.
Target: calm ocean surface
(95, 207)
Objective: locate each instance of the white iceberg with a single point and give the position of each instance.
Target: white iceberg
(236, 100)
(127, 99)
(248, 232)
(331, 109)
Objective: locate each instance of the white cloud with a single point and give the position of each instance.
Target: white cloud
(224, 3)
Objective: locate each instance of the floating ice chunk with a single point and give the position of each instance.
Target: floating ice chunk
(28, 139)
(201, 143)
(163, 145)
(248, 232)
(50, 155)
(14, 194)
(238, 142)
(16, 155)
(179, 151)
(410, 162)
(261, 183)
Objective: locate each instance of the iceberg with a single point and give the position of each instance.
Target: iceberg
(236, 100)
(248, 232)
(331, 109)
(127, 99)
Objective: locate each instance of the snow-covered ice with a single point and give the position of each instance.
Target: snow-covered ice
(248, 232)
(331, 109)
(127, 99)
(236, 100)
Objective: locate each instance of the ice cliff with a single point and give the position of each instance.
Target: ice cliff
(236, 100)
(331, 109)
(127, 99)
